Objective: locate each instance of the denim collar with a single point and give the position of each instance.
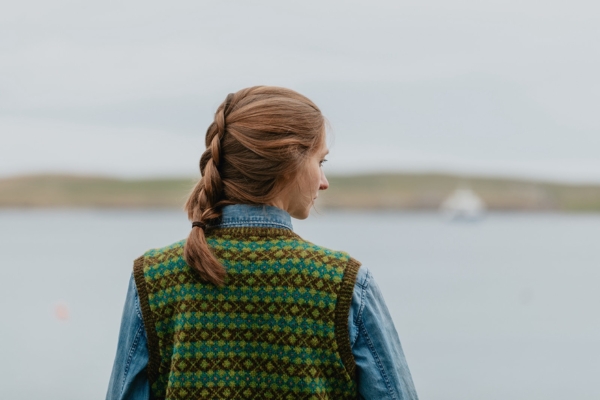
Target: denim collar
(246, 215)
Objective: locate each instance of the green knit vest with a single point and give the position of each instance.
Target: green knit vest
(277, 329)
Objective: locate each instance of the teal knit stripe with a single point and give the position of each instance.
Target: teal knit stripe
(261, 380)
(288, 244)
(166, 249)
(211, 349)
(243, 321)
(277, 351)
(257, 350)
(278, 294)
(224, 243)
(266, 245)
(186, 311)
(288, 266)
(295, 244)
(263, 334)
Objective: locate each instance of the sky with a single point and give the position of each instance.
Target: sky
(128, 88)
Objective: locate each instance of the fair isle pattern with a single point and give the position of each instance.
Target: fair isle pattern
(278, 329)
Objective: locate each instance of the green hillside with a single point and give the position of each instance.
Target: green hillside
(427, 191)
(78, 191)
(377, 191)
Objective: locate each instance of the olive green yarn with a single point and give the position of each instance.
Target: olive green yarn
(277, 329)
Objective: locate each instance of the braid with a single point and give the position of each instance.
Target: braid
(204, 204)
(212, 192)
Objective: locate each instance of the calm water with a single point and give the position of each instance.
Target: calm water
(503, 308)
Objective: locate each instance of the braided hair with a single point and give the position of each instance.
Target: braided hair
(257, 142)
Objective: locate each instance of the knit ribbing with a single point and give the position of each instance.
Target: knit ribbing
(341, 316)
(149, 322)
(278, 328)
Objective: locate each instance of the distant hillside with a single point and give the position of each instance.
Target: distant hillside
(378, 191)
(80, 191)
(427, 191)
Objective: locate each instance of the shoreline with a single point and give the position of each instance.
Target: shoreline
(373, 192)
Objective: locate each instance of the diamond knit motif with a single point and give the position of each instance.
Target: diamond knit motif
(277, 329)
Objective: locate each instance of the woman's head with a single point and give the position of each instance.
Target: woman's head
(261, 148)
(299, 195)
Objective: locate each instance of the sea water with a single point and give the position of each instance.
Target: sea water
(505, 307)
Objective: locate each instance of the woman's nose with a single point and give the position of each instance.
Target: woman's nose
(324, 182)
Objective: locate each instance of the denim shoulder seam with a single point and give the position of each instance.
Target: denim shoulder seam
(363, 294)
(138, 309)
(134, 346)
(365, 283)
(388, 385)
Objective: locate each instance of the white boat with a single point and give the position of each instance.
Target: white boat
(463, 204)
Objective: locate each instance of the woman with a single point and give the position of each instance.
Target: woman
(244, 308)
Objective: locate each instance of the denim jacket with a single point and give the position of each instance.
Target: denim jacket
(381, 369)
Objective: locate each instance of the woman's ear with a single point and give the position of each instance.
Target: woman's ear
(286, 178)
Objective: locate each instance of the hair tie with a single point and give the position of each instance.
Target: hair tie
(200, 225)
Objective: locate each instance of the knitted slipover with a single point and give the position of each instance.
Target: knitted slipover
(277, 329)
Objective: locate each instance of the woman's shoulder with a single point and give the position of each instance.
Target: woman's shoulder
(157, 260)
(173, 249)
(326, 251)
(363, 276)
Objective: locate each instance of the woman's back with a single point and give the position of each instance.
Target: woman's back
(277, 328)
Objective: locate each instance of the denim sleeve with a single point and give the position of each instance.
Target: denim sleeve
(128, 380)
(381, 368)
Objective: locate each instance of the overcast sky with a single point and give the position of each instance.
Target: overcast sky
(128, 88)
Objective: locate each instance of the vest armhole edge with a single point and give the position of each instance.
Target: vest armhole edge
(149, 323)
(342, 311)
